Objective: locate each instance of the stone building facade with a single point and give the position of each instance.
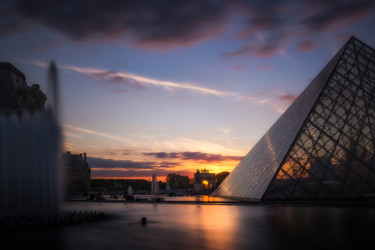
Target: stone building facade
(204, 181)
(77, 172)
(15, 95)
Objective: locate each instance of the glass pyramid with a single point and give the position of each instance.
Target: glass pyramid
(323, 146)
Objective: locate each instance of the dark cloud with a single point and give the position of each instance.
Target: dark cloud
(159, 155)
(146, 21)
(331, 14)
(95, 162)
(194, 156)
(44, 43)
(9, 20)
(266, 15)
(169, 23)
(126, 168)
(133, 173)
(272, 25)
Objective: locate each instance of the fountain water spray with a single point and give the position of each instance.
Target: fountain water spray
(130, 190)
(30, 170)
(154, 186)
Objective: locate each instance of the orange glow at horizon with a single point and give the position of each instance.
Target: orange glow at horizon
(112, 158)
(184, 168)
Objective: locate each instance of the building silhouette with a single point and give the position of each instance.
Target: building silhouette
(323, 146)
(15, 95)
(77, 172)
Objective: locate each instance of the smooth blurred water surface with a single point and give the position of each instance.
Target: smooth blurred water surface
(201, 226)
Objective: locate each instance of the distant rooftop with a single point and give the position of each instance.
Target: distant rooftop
(9, 66)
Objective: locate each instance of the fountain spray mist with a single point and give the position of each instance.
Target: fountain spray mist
(53, 85)
(30, 168)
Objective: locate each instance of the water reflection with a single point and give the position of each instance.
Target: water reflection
(323, 227)
(215, 228)
(201, 226)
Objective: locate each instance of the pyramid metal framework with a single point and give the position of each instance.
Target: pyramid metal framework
(323, 146)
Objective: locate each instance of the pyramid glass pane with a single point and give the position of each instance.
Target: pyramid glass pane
(323, 145)
(340, 127)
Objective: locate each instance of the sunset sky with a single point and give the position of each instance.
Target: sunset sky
(157, 87)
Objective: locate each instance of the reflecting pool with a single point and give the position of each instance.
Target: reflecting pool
(201, 226)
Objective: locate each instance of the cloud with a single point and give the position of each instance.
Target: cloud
(260, 46)
(265, 15)
(245, 50)
(195, 156)
(172, 23)
(269, 27)
(288, 98)
(10, 21)
(327, 15)
(138, 81)
(146, 174)
(44, 43)
(265, 97)
(268, 49)
(118, 151)
(101, 163)
(307, 45)
(102, 168)
(281, 102)
(223, 130)
(277, 100)
(92, 132)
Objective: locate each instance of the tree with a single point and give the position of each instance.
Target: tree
(162, 185)
(177, 181)
(220, 177)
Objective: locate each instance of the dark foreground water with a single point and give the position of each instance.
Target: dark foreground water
(200, 226)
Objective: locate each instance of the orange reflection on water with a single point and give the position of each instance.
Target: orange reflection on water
(216, 224)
